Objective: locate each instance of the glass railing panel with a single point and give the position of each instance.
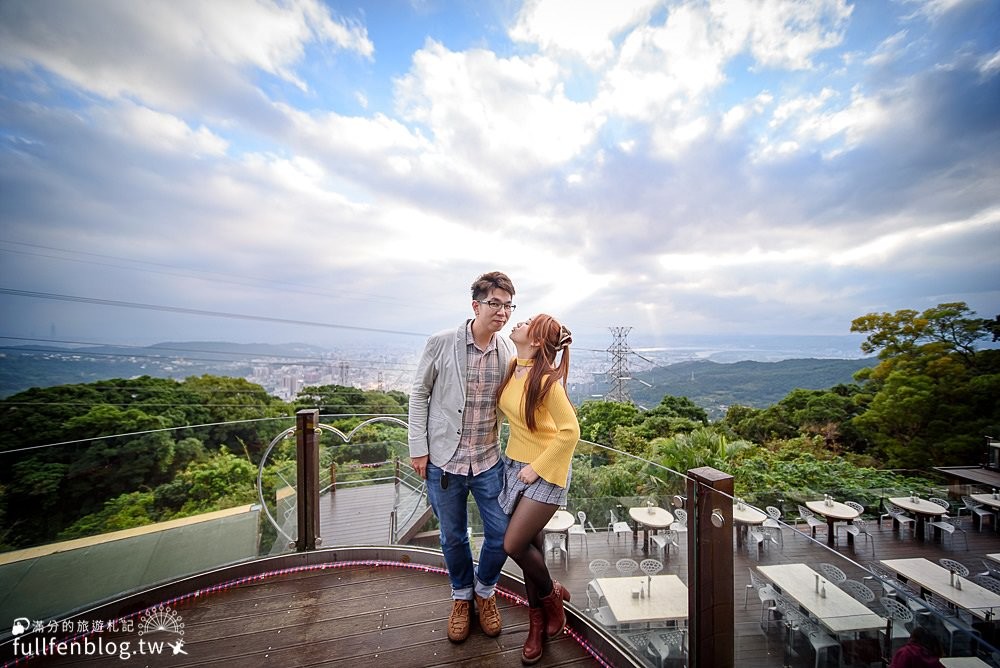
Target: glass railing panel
(368, 493)
(119, 514)
(628, 511)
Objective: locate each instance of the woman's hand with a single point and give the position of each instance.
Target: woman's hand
(527, 475)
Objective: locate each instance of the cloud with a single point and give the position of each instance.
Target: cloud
(179, 56)
(729, 165)
(590, 33)
(493, 118)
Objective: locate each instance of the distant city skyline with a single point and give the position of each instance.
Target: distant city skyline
(340, 172)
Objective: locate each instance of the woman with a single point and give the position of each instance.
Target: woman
(921, 651)
(543, 434)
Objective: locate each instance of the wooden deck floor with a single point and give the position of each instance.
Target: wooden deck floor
(355, 616)
(365, 616)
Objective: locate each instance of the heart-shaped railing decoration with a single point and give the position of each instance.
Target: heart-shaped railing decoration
(290, 432)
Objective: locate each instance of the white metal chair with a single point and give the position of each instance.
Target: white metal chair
(680, 521)
(859, 591)
(668, 648)
(987, 582)
(810, 519)
(820, 640)
(957, 567)
(581, 530)
(901, 618)
(832, 573)
(773, 521)
(556, 544)
(598, 567)
(617, 527)
(664, 540)
(650, 566)
(951, 526)
(767, 595)
(890, 583)
(900, 517)
(978, 511)
(944, 503)
(860, 528)
(992, 568)
(605, 617)
(856, 506)
(626, 566)
(945, 613)
(755, 541)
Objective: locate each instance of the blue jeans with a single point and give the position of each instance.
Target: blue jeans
(451, 508)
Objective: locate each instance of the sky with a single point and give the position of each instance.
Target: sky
(323, 171)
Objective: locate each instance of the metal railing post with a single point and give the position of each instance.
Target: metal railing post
(710, 575)
(307, 478)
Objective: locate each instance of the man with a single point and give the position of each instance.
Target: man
(454, 444)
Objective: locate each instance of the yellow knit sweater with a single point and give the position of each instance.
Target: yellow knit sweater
(549, 449)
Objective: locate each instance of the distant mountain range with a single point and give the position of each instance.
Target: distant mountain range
(714, 386)
(39, 365)
(711, 385)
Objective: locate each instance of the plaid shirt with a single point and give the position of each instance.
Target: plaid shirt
(478, 448)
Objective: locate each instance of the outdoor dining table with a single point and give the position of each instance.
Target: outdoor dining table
(979, 601)
(743, 517)
(666, 598)
(647, 518)
(923, 510)
(838, 611)
(995, 556)
(963, 662)
(835, 512)
(560, 522)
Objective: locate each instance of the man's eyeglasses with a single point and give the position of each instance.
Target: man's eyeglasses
(496, 306)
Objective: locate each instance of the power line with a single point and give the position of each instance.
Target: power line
(191, 426)
(214, 276)
(142, 433)
(192, 311)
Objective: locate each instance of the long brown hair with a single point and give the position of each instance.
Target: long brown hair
(552, 339)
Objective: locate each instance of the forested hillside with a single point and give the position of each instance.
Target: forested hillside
(716, 386)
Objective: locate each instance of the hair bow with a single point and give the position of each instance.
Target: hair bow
(565, 338)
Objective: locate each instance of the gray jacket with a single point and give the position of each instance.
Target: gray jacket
(437, 397)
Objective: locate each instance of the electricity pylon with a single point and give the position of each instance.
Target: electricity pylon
(619, 373)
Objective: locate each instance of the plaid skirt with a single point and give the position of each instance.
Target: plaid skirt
(541, 490)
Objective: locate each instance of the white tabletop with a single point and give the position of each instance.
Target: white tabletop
(963, 662)
(669, 600)
(658, 519)
(995, 556)
(838, 611)
(836, 510)
(920, 506)
(980, 601)
(748, 515)
(561, 521)
(987, 500)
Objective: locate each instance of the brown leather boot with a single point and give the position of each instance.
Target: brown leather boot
(489, 615)
(532, 651)
(458, 621)
(555, 616)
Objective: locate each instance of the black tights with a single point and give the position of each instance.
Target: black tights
(525, 543)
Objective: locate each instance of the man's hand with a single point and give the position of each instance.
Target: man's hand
(419, 465)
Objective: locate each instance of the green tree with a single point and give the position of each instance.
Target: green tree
(599, 419)
(927, 405)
